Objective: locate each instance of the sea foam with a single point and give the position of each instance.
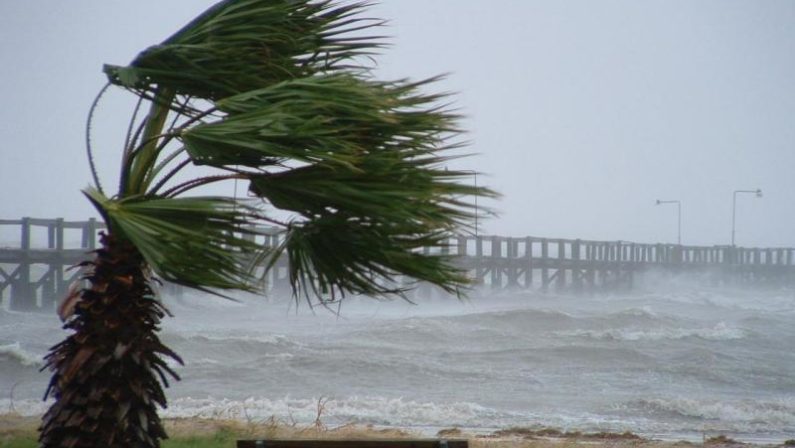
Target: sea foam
(15, 353)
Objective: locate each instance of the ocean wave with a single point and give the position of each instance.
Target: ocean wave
(362, 410)
(223, 363)
(231, 344)
(521, 315)
(742, 415)
(720, 332)
(259, 338)
(15, 353)
(773, 419)
(25, 407)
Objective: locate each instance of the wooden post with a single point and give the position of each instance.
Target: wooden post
(51, 235)
(461, 251)
(513, 267)
(576, 271)
(496, 262)
(528, 273)
(595, 266)
(55, 286)
(544, 264)
(22, 294)
(90, 234)
(479, 270)
(561, 272)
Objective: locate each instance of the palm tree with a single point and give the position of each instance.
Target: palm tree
(274, 93)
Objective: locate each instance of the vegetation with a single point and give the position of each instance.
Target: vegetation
(275, 94)
(217, 433)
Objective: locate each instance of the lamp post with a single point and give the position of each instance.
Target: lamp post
(679, 218)
(756, 192)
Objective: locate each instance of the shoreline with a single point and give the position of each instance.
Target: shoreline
(15, 426)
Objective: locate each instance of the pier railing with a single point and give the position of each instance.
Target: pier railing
(34, 270)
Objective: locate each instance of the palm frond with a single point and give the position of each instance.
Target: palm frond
(326, 118)
(336, 255)
(287, 106)
(199, 242)
(370, 162)
(402, 190)
(240, 45)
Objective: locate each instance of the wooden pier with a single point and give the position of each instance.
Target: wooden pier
(34, 273)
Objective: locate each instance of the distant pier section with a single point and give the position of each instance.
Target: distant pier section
(35, 270)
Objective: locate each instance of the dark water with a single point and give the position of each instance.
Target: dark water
(675, 364)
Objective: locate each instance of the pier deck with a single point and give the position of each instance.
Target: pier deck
(35, 277)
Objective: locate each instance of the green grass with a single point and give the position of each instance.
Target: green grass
(221, 439)
(18, 442)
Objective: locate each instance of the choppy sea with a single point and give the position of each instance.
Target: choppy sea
(683, 363)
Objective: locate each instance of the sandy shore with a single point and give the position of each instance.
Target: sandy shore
(12, 426)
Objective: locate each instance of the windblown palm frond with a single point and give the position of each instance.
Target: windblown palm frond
(198, 242)
(240, 45)
(339, 119)
(335, 255)
(270, 92)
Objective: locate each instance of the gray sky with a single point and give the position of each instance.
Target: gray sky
(582, 113)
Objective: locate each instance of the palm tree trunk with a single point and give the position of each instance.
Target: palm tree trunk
(107, 374)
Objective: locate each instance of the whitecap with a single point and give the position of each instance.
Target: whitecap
(15, 352)
(719, 332)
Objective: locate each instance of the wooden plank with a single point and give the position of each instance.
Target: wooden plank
(315, 443)
(39, 222)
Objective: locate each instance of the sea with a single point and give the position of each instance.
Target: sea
(670, 360)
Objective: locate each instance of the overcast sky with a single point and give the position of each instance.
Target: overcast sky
(582, 113)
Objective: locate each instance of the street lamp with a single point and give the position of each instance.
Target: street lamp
(756, 192)
(679, 219)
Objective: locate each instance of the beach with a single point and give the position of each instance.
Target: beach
(16, 430)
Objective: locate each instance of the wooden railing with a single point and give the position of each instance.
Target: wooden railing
(34, 271)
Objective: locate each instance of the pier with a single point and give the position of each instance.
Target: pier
(35, 271)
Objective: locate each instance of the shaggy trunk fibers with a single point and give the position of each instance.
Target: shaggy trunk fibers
(107, 374)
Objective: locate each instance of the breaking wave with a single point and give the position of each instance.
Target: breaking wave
(16, 354)
(720, 332)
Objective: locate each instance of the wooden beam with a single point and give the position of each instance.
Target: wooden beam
(315, 443)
